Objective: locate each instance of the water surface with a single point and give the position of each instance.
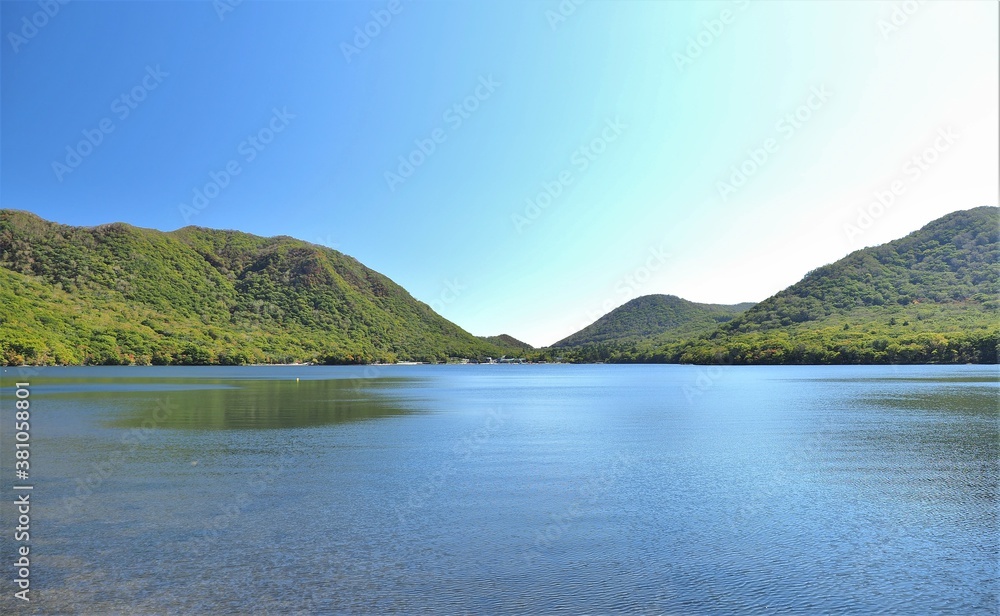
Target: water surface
(511, 489)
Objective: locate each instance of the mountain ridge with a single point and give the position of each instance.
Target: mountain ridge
(932, 296)
(508, 341)
(120, 294)
(653, 316)
(198, 295)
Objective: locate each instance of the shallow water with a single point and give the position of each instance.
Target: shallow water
(510, 489)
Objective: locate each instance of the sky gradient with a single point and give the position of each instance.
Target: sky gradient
(523, 167)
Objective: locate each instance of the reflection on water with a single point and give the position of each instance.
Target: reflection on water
(784, 489)
(992, 377)
(980, 401)
(248, 405)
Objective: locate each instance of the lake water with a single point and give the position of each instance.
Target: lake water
(509, 489)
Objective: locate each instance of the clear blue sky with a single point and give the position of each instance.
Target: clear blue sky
(631, 115)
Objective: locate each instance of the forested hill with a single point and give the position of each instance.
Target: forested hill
(953, 260)
(654, 317)
(930, 297)
(508, 342)
(117, 294)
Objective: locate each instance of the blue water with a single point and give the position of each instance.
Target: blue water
(510, 489)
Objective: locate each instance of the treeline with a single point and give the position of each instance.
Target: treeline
(979, 347)
(117, 294)
(127, 347)
(930, 297)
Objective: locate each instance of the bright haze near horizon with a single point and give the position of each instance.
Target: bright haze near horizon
(716, 151)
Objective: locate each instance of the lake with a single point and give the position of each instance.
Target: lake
(509, 489)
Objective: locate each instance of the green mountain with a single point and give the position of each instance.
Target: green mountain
(930, 297)
(654, 317)
(510, 343)
(117, 294)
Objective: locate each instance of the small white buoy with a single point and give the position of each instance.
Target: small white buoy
(194, 463)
